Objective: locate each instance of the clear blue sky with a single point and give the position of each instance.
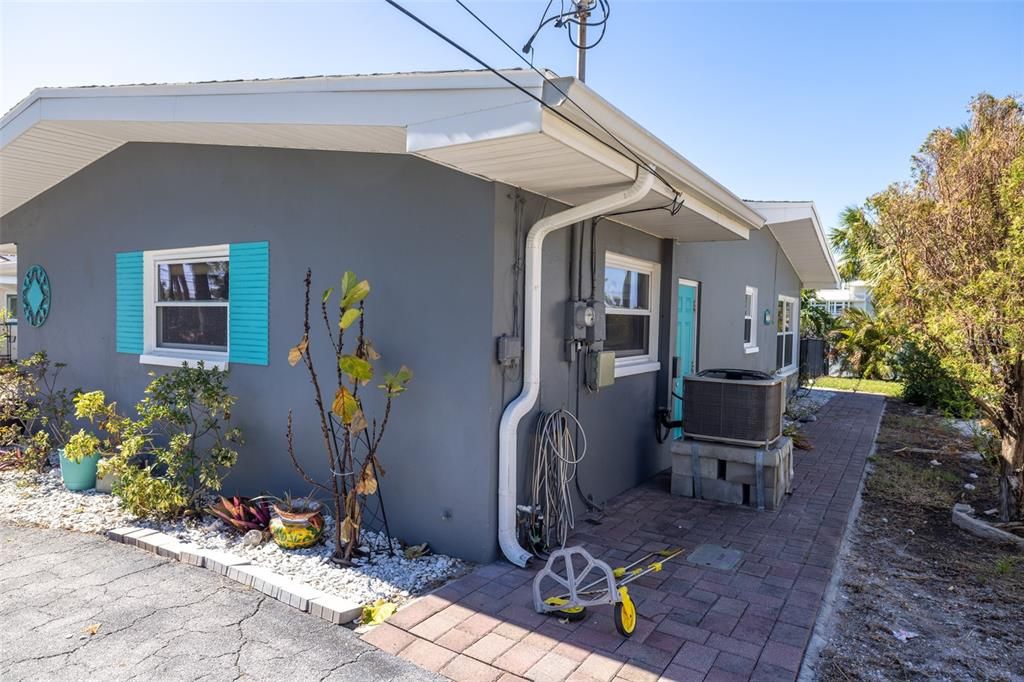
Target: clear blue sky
(817, 100)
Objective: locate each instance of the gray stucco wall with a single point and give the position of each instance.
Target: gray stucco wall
(724, 270)
(419, 232)
(438, 248)
(618, 420)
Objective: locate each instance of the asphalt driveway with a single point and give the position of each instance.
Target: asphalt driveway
(79, 607)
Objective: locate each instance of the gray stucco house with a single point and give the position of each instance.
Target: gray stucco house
(479, 208)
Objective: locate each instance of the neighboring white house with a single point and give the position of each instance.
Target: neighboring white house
(855, 294)
(9, 299)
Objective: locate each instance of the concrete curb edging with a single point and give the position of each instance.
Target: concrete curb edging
(328, 607)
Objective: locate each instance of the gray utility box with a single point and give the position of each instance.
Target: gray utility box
(758, 477)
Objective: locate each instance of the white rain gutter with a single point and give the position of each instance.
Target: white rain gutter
(508, 431)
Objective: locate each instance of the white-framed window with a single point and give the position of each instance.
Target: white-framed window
(12, 307)
(631, 313)
(187, 299)
(786, 347)
(750, 320)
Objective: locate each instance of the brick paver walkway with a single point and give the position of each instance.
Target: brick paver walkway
(696, 623)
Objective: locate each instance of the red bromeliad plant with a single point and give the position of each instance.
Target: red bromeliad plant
(350, 439)
(241, 513)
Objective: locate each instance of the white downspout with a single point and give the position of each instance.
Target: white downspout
(508, 431)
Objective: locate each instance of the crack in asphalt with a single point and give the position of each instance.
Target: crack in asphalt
(159, 619)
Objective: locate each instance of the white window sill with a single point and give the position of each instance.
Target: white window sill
(750, 349)
(787, 371)
(627, 369)
(191, 359)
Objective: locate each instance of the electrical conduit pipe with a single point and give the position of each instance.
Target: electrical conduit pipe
(508, 431)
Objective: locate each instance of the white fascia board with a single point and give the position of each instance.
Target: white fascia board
(392, 109)
(427, 80)
(583, 142)
(778, 212)
(27, 117)
(649, 147)
(396, 100)
(819, 230)
(517, 119)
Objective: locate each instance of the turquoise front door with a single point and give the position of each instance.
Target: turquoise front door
(686, 344)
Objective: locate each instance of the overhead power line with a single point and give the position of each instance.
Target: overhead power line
(572, 18)
(624, 149)
(675, 204)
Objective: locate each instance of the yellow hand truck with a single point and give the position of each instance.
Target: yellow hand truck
(609, 588)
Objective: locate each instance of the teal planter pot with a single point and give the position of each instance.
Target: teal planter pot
(78, 475)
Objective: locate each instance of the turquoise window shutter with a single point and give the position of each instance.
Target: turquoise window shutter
(129, 302)
(248, 324)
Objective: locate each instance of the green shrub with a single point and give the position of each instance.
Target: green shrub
(926, 382)
(176, 454)
(35, 412)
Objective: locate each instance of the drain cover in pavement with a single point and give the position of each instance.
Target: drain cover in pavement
(715, 557)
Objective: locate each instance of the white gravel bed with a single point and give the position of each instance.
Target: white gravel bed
(807, 404)
(42, 500)
(382, 576)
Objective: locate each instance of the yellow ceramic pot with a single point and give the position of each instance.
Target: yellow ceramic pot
(298, 527)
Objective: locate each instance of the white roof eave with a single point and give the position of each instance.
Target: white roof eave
(798, 229)
(56, 132)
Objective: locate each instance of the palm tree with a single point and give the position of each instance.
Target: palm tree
(815, 321)
(851, 239)
(864, 344)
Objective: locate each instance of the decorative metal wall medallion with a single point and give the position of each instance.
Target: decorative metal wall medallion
(35, 296)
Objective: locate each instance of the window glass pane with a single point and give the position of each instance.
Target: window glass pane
(780, 345)
(748, 306)
(627, 334)
(201, 281)
(195, 327)
(747, 323)
(780, 316)
(788, 352)
(12, 306)
(626, 288)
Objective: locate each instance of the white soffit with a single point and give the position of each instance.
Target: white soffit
(470, 121)
(795, 225)
(551, 157)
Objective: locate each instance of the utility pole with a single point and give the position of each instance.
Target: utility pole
(582, 12)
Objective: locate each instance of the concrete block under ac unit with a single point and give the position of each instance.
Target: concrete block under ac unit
(729, 473)
(721, 491)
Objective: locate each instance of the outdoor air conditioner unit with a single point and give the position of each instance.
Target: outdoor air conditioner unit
(734, 406)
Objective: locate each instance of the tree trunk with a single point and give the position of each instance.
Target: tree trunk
(1011, 478)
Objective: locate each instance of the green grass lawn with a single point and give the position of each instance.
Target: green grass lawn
(893, 389)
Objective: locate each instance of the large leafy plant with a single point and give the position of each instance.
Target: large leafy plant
(350, 438)
(864, 344)
(35, 409)
(175, 455)
(103, 417)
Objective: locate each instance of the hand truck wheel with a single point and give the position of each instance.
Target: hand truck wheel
(625, 614)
